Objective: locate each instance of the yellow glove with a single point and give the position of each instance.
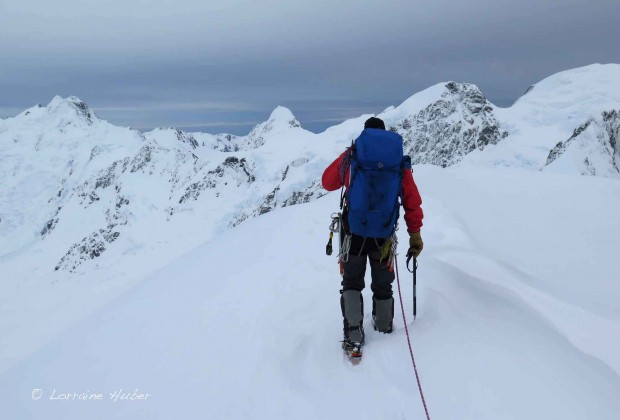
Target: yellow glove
(415, 245)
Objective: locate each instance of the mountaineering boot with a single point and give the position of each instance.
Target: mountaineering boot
(352, 305)
(383, 314)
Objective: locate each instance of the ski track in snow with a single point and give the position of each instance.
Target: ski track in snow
(248, 326)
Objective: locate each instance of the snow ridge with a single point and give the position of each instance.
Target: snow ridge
(592, 149)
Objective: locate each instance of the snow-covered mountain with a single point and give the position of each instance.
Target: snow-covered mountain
(247, 326)
(593, 148)
(88, 209)
(458, 120)
(47, 152)
(75, 184)
(75, 187)
(548, 113)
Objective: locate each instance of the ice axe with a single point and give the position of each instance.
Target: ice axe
(414, 271)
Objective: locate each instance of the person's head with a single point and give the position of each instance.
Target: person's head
(374, 122)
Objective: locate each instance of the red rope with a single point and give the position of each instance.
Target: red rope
(415, 368)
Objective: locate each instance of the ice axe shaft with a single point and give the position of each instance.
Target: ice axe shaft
(414, 271)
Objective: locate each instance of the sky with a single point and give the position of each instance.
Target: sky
(224, 65)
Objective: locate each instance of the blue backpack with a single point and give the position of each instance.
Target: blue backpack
(377, 167)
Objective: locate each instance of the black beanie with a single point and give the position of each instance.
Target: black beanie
(374, 122)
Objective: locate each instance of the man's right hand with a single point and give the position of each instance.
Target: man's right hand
(415, 245)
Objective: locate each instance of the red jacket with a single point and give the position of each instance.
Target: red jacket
(338, 173)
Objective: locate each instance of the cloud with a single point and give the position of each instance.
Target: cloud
(176, 106)
(162, 62)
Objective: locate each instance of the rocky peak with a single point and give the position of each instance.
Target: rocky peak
(451, 126)
(72, 106)
(469, 96)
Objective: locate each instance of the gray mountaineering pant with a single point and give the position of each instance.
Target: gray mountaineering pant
(355, 268)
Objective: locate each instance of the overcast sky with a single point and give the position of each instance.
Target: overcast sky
(223, 65)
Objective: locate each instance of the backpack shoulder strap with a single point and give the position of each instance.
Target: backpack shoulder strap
(345, 165)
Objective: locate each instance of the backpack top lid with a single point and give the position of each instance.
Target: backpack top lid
(379, 149)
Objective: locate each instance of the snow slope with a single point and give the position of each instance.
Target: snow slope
(517, 318)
